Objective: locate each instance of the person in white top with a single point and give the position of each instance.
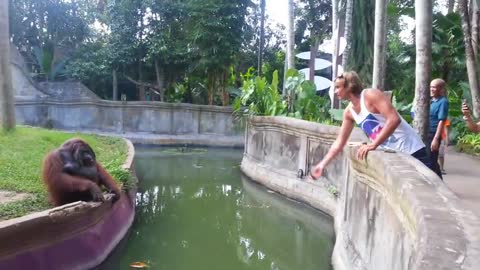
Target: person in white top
(377, 117)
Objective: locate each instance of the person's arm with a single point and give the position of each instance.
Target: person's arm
(337, 146)
(447, 141)
(442, 115)
(467, 116)
(472, 126)
(380, 103)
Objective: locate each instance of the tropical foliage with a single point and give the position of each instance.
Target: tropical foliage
(260, 97)
(196, 50)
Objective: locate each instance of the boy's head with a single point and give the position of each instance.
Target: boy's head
(351, 81)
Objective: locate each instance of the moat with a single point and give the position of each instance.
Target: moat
(195, 210)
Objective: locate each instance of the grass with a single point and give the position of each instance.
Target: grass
(21, 157)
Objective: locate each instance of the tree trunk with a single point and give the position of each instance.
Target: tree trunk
(475, 32)
(290, 36)
(289, 57)
(114, 85)
(210, 87)
(336, 60)
(313, 54)
(379, 47)
(141, 87)
(7, 107)
(160, 74)
(262, 36)
(469, 55)
(348, 30)
(450, 5)
(225, 94)
(334, 15)
(423, 66)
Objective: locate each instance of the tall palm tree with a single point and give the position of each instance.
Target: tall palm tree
(423, 66)
(380, 44)
(7, 108)
(470, 56)
(262, 36)
(348, 31)
(290, 36)
(475, 29)
(289, 57)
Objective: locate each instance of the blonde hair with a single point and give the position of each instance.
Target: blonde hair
(351, 80)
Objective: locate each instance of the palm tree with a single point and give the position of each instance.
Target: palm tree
(380, 44)
(290, 36)
(423, 66)
(470, 56)
(348, 31)
(289, 57)
(262, 36)
(7, 113)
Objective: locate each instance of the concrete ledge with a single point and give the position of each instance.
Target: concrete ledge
(155, 118)
(79, 235)
(392, 212)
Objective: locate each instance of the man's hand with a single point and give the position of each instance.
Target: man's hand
(364, 149)
(466, 111)
(317, 171)
(435, 145)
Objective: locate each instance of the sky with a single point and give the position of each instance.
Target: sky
(277, 10)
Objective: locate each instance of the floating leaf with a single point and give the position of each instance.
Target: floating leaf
(139, 265)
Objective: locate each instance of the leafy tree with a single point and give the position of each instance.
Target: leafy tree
(216, 35)
(90, 64)
(47, 31)
(316, 17)
(167, 40)
(361, 53)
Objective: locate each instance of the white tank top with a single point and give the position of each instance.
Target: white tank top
(404, 138)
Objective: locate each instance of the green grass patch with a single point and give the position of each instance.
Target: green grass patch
(21, 158)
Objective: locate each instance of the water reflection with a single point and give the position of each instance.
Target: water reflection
(196, 211)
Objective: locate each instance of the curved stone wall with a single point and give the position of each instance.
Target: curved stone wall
(140, 121)
(390, 211)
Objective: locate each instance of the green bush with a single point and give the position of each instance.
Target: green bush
(258, 97)
(470, 144)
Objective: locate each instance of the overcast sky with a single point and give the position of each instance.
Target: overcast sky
(277, 10)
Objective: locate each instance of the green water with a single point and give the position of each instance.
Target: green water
(196, 210)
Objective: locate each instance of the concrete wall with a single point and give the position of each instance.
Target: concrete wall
(155, 118)
(391, 212)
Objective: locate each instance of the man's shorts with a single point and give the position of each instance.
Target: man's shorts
(442, 148)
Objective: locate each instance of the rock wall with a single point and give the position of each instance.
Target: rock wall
(390, 211)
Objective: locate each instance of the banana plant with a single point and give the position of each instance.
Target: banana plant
(49, 66)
